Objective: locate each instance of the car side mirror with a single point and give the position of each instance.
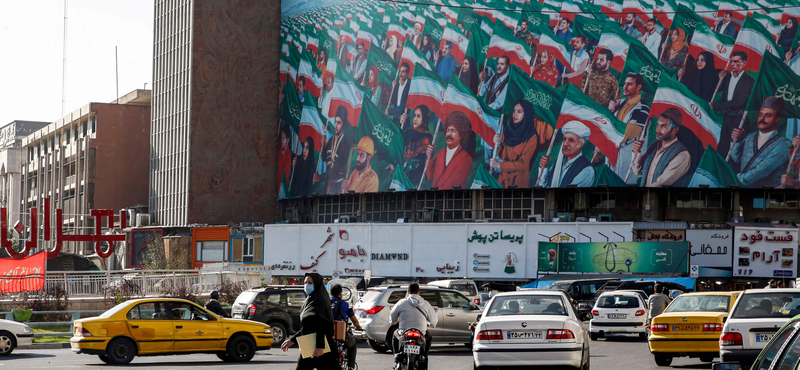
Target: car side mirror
(726, 366)
(479, 317)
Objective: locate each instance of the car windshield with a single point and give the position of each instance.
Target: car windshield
(763, 305)
(465, 289)
(703, 303)
(527, 305)
(560, 286)
(116, 309)
(617, 302)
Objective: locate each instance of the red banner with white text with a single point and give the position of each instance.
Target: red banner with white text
(22, 275)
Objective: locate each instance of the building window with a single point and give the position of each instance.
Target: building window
(330, 208)
(507, 204)
(247, 249)
(699, 200)
(452, 205)
(388, 207)
(782, 201)
(604, 200)
(211, 251)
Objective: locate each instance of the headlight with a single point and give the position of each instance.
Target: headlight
(267, 331)
(27, 329)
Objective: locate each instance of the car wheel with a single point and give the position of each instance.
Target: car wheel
(278, 333)
(241, 349)
(476, 367)
(7, 343)
(120, 351)
(223, 356)
(377, 347)
(707, 358)
(104, 358)
(662, 360)
(593, 336)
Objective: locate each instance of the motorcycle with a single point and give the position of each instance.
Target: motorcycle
(411, 356)
(342, 357)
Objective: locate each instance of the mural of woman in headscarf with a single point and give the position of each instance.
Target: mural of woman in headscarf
(373, 85)
(417, 138)
(427, 47)
(304, 166)
(545, 69)
(469, 74)
(788, 33)
(675, 52)
(517, 145)
(702, 81)
(391, 47)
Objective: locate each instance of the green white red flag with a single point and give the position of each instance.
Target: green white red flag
(755, 40)
(697, 114)
(345, 93)
(617, 41)
(460, 42)
(606, 130)
(719, 45)
(556, 48)
(311, 123)
(308, 70)
(503, 43)
(485, 120)
(427, 89)
(413, 56)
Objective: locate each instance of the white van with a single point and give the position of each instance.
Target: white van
(466, 287)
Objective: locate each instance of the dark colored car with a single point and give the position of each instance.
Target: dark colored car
(782, 351)
(277, 306)
(582, 293)
(647, 286)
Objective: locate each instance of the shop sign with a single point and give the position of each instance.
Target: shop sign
(620, 257)
(763, 253)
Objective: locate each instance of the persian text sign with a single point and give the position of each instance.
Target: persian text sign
(22, 275)
(764, 252)
(650, 257)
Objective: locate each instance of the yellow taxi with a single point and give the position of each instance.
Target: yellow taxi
(166, 326)
(690, 326)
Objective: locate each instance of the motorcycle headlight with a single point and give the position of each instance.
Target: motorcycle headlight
(267, 331)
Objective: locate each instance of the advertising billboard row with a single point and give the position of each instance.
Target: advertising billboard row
(461, 94)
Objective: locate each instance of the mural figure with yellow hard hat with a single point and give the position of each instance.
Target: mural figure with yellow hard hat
(363, 179)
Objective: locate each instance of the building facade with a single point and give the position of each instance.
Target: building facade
(92, 158)
(12, 157)
(215, 92)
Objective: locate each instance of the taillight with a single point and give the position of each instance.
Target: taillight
(477, 301)
(251, 311)
(659, 327)
(560, 334)
(712, 327)
(413, 334)
(82, 332)
(490, 335)
(640, 313)
(373, 310)
(595, 313)
(730, 339)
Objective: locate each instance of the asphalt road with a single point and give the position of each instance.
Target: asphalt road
(615, 353)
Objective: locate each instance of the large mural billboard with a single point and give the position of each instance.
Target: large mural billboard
(450, 94)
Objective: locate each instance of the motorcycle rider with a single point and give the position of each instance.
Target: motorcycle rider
(214, 306)
(413, 312)
(341, 312)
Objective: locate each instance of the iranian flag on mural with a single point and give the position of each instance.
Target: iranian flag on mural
(706, 9)
(640, 12)
(313, 43)
(397, 30)
(288, 66)
(365, 36)
(427, 89)
(665, 11)
(697, 114)
(792, 10)
(606, 130)
(568, 10)
(735, 7)
(719, 45)
(545, 99)
(460, 42)
(308, 69)
(617, 41)
(755, 40)
(311, 123)
(503, 43)
(485, 120)
(347, 35)
(612, 8)
(555, 47)
(508, 18)
(776, 79)
(450, 13)
(713, 171)
(413, 56)
(345, 93)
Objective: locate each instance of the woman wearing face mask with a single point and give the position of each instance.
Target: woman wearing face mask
(316, 317)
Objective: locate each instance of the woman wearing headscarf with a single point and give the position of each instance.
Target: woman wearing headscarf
(788, 33)
(545, 69)
(427, 47)
(469, 74)
(304, 167)
(417, 138)
(517, 145)
(675, 53)
(373, 85)
(392, 47)
(316, 317)
(702, 81)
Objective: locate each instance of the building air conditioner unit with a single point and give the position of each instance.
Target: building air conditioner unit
(580, 201)
(535, 218)
(142, 219)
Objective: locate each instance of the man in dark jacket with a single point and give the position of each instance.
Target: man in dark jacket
(214, 306)
(736, 88)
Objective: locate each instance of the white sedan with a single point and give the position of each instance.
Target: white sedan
(530, 328)
(13, 335)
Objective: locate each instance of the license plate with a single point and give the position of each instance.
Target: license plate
(617, 316)
(685, 327)
(763, 337)
(411, 349)
(524, 334)
(237, 316)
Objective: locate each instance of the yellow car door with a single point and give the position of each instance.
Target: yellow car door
(150, 326)
(195, 329)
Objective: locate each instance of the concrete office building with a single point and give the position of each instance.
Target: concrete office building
(92, 158)
(12, 156)
(215, 91)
